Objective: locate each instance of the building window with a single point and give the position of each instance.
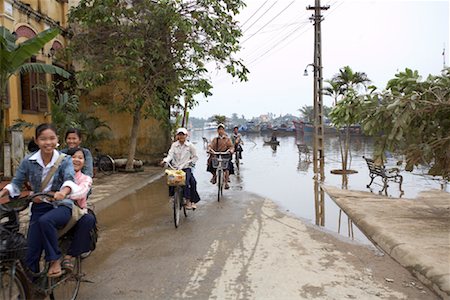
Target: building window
(8, 8)
(34, 97)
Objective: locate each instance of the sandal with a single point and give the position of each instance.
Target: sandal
(193, 206)
(51, 273)
(68, 264)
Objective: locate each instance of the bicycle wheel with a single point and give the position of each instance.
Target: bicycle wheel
(236, 160)
(13, 283)
(178, 197)
(219, 184)
(106, 164)
(67, 286)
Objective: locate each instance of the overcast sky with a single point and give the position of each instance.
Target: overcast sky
(376, 37)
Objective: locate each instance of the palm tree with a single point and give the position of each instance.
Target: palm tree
(347, 79)
(334, 90)
(14, 60)
(345, 87)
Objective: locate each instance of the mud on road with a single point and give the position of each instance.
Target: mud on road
(241, 248)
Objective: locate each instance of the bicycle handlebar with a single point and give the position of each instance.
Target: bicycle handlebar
(20, 203)
(219, 153)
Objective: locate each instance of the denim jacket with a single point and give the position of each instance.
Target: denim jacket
(30, 170)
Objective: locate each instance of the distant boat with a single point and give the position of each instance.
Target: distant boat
(270, 142)
(210, 126)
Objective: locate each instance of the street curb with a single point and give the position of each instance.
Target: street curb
(416, 243)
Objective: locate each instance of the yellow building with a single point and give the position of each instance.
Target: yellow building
(26, 18)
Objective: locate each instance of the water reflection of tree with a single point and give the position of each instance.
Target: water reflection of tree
(303, 165)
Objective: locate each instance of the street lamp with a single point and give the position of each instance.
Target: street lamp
(305, 73)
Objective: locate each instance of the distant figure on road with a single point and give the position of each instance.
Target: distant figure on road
(236, 138)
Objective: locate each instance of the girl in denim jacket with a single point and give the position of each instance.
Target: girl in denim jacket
(46, 218)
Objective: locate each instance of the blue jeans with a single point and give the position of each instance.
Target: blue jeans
(81, 239)
(43, 232)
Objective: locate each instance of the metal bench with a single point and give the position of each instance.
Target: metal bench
(391, 174)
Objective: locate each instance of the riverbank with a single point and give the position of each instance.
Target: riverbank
(414, 232)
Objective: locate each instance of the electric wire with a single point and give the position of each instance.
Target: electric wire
(260, 17)
(253, 14)
(271, 20)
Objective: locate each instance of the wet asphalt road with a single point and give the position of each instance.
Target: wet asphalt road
(240, 248)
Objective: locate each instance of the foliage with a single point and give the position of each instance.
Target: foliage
(219, 119)
(345, 87)
(65, 114)
(150, 54)
(307, 112)
(13, 60)
(412, 117)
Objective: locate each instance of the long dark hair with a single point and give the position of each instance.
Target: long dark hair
(45, 126)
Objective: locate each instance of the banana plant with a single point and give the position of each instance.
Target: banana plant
(14, 60)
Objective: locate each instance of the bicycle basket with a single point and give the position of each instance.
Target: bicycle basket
(13, 245)
(215, 163)
(176, 177)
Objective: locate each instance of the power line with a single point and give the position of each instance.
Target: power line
(268, 22)
(260, 17)
(291, 33)
(253, 14)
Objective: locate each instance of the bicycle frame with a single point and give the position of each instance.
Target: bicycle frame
(178, 202)
(16, 271)
(220, 171)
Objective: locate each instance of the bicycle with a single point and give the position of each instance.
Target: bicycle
(220, 164)
(177, 179)
(17, 281)
(104, 163)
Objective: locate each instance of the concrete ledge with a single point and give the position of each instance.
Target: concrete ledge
(414, 232)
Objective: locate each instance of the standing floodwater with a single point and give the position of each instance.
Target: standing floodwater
(281, 174)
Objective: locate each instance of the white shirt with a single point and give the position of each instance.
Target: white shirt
(181, 155)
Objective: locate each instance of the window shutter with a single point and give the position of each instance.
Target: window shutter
(42, 95)
(25, 87)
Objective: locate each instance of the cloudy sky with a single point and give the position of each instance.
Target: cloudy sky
(378, 37)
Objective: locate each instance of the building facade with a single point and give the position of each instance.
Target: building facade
(26, 18)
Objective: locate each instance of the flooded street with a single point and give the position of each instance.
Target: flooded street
(243, 247)
(280, 175)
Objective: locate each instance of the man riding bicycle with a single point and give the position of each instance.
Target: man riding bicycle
(236, 139)
(221, 143)
(183, 156)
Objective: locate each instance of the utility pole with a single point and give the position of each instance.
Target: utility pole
(318, 151)
(318, 155)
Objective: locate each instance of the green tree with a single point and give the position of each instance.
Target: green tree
(219, 119)
(307, 111)
(14, 60)
(412, 117)
(152, 53)
(345, 87)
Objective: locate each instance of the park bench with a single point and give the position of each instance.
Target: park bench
(391, 174)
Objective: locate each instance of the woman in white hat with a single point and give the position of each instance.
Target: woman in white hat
(183, 156)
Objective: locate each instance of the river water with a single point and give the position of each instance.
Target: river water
(285, 177)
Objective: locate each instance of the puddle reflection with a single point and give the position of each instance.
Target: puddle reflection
(284, 174)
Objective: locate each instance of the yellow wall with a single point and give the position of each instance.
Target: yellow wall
(57, 11)
(153, 139)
